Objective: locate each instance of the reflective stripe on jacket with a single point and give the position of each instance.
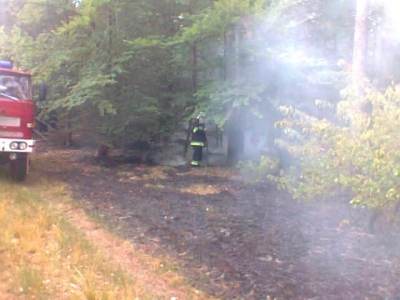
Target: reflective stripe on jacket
(199, 138)
(197, 144)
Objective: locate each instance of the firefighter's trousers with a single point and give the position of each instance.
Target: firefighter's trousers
(197, 155)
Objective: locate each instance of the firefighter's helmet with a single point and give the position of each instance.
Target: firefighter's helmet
(200, 118)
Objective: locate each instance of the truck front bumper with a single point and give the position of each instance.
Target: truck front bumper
(16, 145)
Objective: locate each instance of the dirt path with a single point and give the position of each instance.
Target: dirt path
(233, 240)
(146, 272)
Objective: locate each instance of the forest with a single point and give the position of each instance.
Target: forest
(299, 194)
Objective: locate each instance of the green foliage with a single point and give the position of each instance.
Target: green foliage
(129, 66)
(365, 162)
(137, 69)
(90, 88)
(219, 100)
(219, 18)
(267, 168)
(91, 70)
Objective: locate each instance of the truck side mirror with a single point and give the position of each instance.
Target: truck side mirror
(42, 91)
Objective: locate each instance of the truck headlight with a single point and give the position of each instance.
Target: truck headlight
(14, 146)
(23, 146)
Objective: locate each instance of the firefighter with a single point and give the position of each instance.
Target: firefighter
(199, 141)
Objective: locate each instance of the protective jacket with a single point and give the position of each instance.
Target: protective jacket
(199, 137)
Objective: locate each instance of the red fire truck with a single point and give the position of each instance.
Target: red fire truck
(17, 116)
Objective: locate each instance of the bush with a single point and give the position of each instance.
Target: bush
(337, 156)
(255, 171)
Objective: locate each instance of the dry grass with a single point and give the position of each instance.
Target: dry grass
(50, 249)
(142, 173)
(212, 172)
(46, 257)
(201, 190)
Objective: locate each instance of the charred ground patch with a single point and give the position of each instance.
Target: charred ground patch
(233, 239)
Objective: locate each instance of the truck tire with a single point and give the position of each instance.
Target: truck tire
(19, 167)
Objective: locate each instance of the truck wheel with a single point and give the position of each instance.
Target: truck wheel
(19, 167)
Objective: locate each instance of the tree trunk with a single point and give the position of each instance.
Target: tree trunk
(235, 138)
(225, 62)
(236, 124)
(360, 44)
(194, 68)
(103, 152)
(111, 25)
(68, 142)
(236, 51)
(361, 106)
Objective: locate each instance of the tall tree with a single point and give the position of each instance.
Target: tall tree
(360, 43)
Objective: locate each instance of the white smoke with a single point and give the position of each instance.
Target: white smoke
(392, 9)
(391, 21)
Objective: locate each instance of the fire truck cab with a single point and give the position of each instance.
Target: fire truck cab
(17, 115)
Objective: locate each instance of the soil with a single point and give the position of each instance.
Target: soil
(233, 239)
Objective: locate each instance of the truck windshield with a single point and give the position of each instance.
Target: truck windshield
(15, 87)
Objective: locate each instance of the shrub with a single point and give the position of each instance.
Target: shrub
(255, 171)
(336, 155)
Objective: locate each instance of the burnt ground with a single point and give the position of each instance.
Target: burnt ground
(233, 239)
